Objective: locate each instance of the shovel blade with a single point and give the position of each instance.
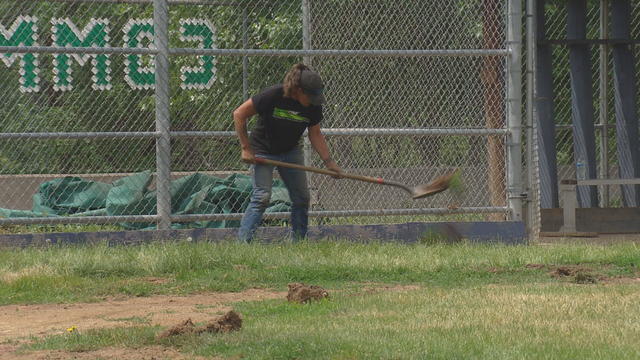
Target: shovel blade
(438, 185)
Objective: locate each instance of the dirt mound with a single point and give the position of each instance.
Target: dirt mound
(566, 271)
(184, 327)
(301, 293)
(230, 321)
(578, 273)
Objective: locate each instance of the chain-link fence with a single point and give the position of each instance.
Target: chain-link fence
(119, 111)
(585, 63)
(601, 42)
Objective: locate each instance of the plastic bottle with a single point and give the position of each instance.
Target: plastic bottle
(581, 170)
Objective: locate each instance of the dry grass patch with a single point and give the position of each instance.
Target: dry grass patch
(10, 277)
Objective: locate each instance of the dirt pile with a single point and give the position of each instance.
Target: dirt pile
(184, 327)
(230, 321)
(577, 273)
(301, 293)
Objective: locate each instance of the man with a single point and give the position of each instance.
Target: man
(284, 111)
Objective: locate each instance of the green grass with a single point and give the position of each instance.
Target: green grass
(533, 321)
(504, 321)
(88, 273)
(97, 338)
(471, 301)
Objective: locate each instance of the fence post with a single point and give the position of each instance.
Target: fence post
(245, 59)
(163, 142)
(307, 60)
(604, 105)
(544, 107)
(626, 95)
(306, 30)
(533, 184)
(582, 113)
(514, 109)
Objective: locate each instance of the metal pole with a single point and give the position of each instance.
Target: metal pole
(306, 31)
(546, 155)
(533, 207)
(258, 52)
(236, 216)
(163, 124)
(228, 134)
(582, 108)
(514, 106)
(245, 59)
(604, 106)
(287, 52)
(306, 45)
(624, 80)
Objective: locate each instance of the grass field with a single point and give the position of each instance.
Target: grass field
(386, 301)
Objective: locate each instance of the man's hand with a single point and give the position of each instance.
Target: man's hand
(248, 156)
(331, 165)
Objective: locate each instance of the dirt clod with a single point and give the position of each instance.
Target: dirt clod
(301, 293)
(230, 321)
(185, 327)
(569, 270)
(579, 274)
(564, 271)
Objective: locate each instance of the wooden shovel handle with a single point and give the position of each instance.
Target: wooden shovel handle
(369, 179)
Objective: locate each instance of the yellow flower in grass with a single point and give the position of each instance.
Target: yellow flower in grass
(72, 329)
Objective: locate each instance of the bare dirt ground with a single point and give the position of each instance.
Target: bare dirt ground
(147, 353)
(19, 322)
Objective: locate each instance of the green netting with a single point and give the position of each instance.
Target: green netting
(132, 195)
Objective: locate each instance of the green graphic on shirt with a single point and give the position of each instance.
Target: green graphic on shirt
(289, 115)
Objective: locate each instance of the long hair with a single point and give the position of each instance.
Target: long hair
(292, 79)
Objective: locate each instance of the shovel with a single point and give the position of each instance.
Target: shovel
(438, 185)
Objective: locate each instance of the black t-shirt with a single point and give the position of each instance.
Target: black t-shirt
(281, 121)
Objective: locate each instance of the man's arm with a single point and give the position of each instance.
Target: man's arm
(240, 117)
(320, 145)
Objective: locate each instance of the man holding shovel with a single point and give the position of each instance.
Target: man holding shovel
(284, 112)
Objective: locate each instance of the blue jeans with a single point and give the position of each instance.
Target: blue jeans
(262, 179)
